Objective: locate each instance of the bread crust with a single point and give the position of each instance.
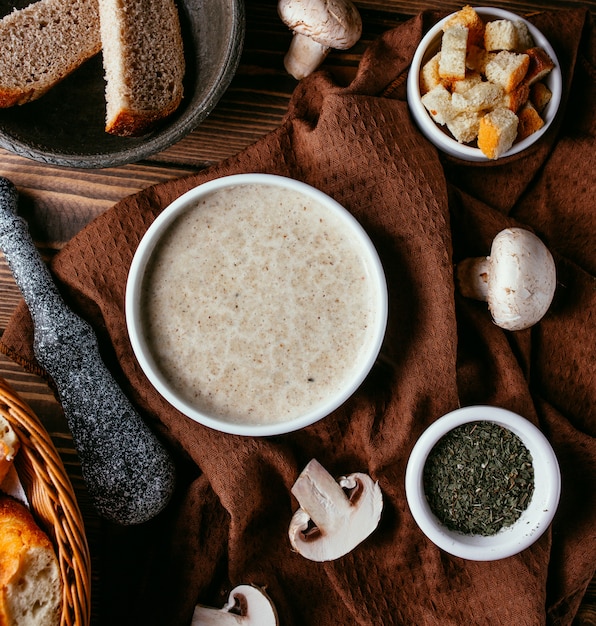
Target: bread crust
(29, 65)
(129, 123)
(30, 583)
(143, 56)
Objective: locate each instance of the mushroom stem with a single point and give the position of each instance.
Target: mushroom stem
(321, 496)
(304, 56)
(472, 278)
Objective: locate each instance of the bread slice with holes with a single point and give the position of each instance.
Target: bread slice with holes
(30, 582)
(42, 44)
(144, 63)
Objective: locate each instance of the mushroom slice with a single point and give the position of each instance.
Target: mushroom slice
(247, 605)
(517, 280)
(318, 26)
(331, 522)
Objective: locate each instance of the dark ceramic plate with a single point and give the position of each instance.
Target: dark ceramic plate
(66, 125)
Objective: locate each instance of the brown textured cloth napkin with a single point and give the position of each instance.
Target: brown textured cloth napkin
(229, 519)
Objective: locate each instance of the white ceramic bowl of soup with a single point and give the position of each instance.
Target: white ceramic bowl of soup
(533, 520)
(256, 304)
(439, 135)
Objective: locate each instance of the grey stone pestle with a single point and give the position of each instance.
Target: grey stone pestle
(128, 473)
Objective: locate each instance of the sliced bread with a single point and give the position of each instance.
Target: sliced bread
(143, 61)
(42, 44)
(30, 583)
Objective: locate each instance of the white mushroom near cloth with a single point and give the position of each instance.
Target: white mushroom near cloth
(517, 280)
(247, 605)
(318, 26)
(334, 516)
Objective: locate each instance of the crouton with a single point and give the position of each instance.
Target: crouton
(540, 64)
(452, 64)
(497, 132)
(507, 69)
(471, 20)
(477, 58)
(429, 74)
(529, 121)
(516, 98)
(438, 103)
(480, 97)
(464, 126)
(540, 96)
(500, 35)
(461, 86)
(524, 37)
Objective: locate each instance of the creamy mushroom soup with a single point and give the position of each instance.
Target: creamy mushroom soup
(257, 304)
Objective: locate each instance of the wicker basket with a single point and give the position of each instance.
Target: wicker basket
(53, 504)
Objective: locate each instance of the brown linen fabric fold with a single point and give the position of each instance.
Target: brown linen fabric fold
(228, 521)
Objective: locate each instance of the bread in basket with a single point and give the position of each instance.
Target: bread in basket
(53, 504)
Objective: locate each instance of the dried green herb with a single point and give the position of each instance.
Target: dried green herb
(479, 478)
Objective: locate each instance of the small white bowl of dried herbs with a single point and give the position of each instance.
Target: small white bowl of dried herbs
(483, 483)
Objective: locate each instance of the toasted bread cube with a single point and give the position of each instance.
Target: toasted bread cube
(480, 97)
(438, 103)
(540, 96)
(471, 20)
(540, 65)
(500, 35)
(452, 65)
(429, 74)
(524, 37)
(518, 97)
(477, 58)
(529, 121)
(461, 86)
(464, 126)
(497, 132)
(507, 69)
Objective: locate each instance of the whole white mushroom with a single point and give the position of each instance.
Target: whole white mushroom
(318, 26)
(517, 280)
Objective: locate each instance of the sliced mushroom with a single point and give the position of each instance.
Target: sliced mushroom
(247, 605)
(318, 26)
(330, 521)
(517, 280)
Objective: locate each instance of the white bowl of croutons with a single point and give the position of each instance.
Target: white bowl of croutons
(484, 84)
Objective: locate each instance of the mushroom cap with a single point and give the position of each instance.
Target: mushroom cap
(331, 23)
(522, 279)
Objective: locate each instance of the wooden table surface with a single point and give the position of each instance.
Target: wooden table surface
(60, 201)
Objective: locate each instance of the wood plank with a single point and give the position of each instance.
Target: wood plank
(57, 202)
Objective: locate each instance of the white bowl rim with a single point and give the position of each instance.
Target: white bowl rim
(134, 282)
(436, 134)
(533, 522)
